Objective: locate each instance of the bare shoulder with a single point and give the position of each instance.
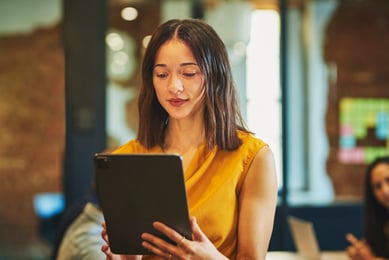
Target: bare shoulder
(264, 161)
(262, 174)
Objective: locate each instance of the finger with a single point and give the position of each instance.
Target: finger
(176, 237)
(106, 250)
(104, 234)
(198, 235)
(358, 245)
(352, 239)
(154, 247)
(181, 243)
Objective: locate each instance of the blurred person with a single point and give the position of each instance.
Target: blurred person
(375, 244)
(81, 237)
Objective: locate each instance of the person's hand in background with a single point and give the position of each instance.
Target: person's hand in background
(359, 249)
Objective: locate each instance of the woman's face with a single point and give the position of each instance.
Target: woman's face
(380, 183)
(178, 81)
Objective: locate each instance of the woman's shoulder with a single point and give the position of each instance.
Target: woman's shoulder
(250, 146)
(249, 139)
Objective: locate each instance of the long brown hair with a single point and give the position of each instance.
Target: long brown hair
(222, 117)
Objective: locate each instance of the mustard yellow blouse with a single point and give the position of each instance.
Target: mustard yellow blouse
(213, 181)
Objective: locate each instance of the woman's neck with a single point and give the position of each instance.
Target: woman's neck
(183, 136)
(183, 139)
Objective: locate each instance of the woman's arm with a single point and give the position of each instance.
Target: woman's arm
(257, 200)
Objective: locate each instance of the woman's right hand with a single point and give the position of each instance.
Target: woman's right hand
(107, 251)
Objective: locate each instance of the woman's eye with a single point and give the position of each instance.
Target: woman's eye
(189, 74)
(161, 75)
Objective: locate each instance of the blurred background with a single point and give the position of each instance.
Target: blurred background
(312, 77)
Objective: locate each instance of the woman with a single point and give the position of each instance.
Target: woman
(188, 106)
(376, 242)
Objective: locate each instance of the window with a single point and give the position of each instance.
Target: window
(263, 82)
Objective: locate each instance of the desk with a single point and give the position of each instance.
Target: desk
(326, 255)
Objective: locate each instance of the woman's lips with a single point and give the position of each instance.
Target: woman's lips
(176, 102)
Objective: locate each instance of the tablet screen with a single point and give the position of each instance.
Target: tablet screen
(137, 189)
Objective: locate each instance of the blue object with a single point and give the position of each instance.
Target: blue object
(48, 204)
(347, 141)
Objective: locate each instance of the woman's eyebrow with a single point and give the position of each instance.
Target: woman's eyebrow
(181, 65)
(188, 64)
(159, 65)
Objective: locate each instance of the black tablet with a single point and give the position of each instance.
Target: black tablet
(134, 191)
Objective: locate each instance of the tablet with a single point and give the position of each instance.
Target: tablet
(134, 191)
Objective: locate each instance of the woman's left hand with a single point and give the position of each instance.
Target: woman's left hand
(198, 248)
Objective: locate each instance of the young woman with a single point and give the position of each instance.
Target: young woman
(376, 242)
(188, 106)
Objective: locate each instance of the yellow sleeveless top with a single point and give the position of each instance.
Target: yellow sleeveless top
(213, 182)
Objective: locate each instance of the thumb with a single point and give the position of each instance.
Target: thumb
(198, 235)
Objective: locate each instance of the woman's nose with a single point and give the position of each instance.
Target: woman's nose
(175, 84)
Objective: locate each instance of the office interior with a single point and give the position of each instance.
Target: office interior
(312, 77)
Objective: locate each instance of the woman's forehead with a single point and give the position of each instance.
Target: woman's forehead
(174, 49)
(380, 172)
